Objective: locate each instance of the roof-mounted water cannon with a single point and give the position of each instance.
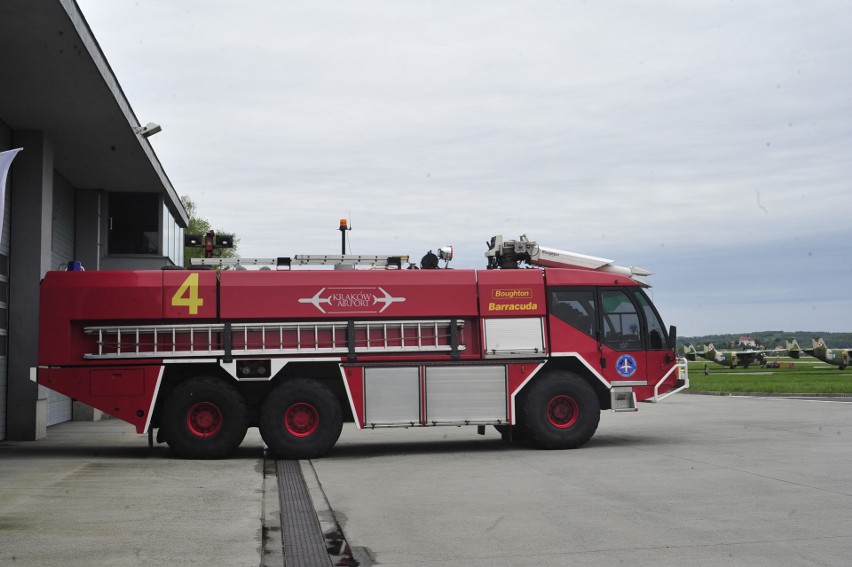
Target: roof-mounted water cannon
(511, 253)
(506, 255)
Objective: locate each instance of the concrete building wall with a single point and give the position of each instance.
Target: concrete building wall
(61, 102)
(62, 230)
(48, 223)
(31, 223)
(87, 228)
(61, 252)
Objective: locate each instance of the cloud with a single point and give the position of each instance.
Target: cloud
(660, 134)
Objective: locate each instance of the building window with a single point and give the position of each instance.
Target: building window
(172, 247)
(134, 223)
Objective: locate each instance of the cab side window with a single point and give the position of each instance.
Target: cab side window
(622, 329)
(575, 307)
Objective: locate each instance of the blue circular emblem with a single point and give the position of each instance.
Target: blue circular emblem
(626, 365)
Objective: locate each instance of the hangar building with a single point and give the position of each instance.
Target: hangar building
(87, 186)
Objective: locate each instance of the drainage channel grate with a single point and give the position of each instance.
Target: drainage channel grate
(301, 534)
(308, 539)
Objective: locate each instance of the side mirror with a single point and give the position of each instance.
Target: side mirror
(672, 344)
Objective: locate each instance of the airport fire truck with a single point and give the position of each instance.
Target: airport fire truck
(536, 345)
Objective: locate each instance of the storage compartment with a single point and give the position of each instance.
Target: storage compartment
(461, 394)
(521, 336)
(392, 396)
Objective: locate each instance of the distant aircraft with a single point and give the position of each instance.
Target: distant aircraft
(837, 356)
(729, 358)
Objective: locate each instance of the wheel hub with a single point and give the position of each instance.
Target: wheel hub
(301, 419)
(204, 419)
(562, 411)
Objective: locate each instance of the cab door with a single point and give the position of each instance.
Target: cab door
(623, 337)
(659, 354)
(573, 323)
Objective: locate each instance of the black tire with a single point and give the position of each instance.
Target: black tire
(300, 419)
(560, 411)
(204, 418)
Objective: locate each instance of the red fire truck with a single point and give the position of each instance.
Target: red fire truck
(536, 345)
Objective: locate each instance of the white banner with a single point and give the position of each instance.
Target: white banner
(5, 163)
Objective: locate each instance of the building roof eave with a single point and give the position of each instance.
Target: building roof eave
(57, 80)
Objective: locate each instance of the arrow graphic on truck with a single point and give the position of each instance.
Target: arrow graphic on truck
(351, 300)
(316, 300)
(387, 300)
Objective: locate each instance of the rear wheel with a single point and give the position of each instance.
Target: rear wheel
(300, 419)
(204, 418)
(561, 411)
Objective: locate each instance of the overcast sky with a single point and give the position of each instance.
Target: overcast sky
(707, 141)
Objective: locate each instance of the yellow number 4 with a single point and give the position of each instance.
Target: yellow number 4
(187, 295)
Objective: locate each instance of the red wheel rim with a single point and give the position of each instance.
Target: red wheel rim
(204, 419)
(301, 419)
(562, 411)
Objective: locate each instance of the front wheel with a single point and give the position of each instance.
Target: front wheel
(300, 419)
(561, 411)
(204, 418)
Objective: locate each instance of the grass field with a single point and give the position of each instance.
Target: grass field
(804, 376)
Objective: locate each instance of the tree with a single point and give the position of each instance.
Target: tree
(198, 225)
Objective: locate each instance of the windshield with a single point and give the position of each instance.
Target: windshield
(656, 331)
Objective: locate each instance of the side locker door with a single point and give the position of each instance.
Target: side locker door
(622, 336)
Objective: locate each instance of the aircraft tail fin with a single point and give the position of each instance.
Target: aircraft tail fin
(793, 349)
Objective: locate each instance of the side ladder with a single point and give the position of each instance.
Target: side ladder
(236, 339)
